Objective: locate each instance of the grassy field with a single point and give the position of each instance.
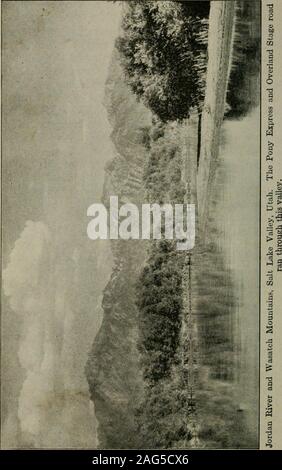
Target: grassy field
(199, 190)
(227, 351)
(221, 28)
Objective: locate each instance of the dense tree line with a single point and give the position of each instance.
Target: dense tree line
(159, 303)
(163, 53)
(162, 174)
(160, 416)
(159, 290)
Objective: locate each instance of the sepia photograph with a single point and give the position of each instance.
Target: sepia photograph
(131, 212)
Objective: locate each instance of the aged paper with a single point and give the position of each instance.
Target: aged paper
(141, 225)
(271, 228)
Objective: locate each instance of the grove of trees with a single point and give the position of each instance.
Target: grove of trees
(163, 53)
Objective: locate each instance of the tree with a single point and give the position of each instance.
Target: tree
(159, 304)
(163, 52)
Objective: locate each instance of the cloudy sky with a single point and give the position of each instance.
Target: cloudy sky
(56, 143)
